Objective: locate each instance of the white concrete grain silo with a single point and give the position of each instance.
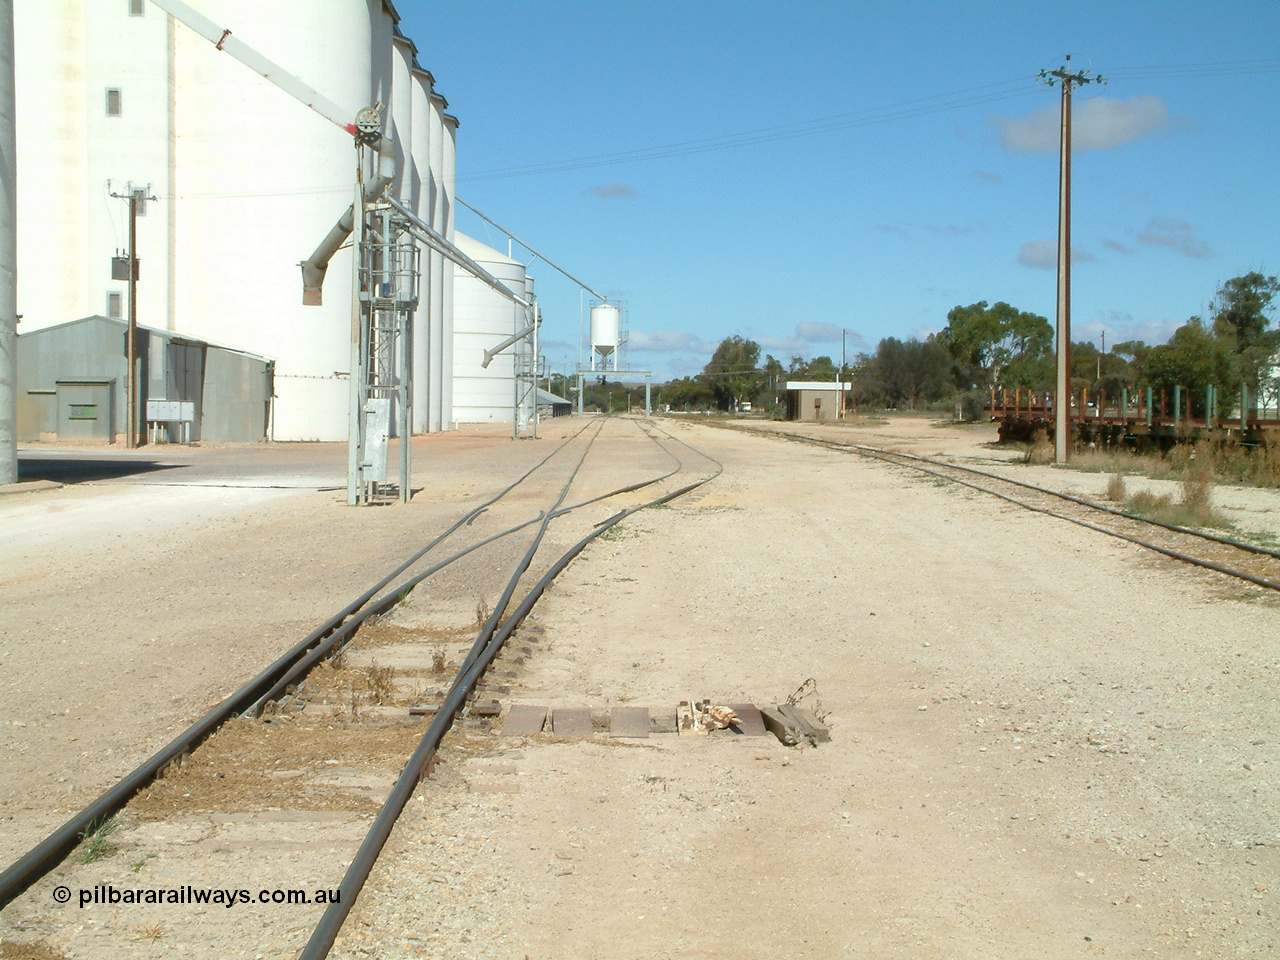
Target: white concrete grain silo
(421, 202)
(482, 318)
(448, 217)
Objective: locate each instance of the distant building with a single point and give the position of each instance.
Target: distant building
(552, 405)
(814, 399)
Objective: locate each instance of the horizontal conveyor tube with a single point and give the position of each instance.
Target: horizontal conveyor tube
(442, 246)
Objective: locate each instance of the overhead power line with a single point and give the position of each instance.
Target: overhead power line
(907, 109)
(904, 110)
(1218, 68)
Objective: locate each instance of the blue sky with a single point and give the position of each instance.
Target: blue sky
(885, 161)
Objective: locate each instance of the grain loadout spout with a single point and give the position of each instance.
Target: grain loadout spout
(364, 126)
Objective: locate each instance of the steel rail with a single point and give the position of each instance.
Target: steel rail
(1202, 534)
(49, 852)
(330, 645)
(885, 455)
(483, 652)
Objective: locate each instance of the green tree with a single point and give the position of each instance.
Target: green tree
(687, 393)
(731, 372)
(910, 372)
(773, 377)
(1240, 317)
(985, 341)
(1192, 359)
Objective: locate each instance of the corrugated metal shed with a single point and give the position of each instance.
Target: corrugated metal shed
(71, 383)
(556, 406)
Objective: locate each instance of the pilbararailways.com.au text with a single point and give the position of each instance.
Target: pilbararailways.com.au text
(105, 893)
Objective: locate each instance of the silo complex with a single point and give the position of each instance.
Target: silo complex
(113, 94)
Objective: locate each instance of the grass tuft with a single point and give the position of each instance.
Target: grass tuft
(97, 840)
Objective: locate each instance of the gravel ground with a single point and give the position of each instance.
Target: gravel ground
(1045, 743)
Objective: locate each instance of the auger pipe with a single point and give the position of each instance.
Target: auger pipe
(540, 256)
(316, 265)
(514, 338)
(222, 38)
(442, 246)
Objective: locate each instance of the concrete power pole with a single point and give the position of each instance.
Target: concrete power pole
(1062, 398)
(8, 256)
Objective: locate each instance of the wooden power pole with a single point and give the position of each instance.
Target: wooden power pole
(129, 271)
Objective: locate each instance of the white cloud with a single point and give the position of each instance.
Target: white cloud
(789, 346)
(668, 341)
(613, 191)
(1117, 246)
(987, 177)
(818, 332)
(685, 366)
(1177, 235)
(1098, 123)
(1043, 255)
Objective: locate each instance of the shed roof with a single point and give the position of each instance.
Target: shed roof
(546, 396)
(816, 385)
(168, 334)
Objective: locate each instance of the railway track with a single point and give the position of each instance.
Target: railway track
(480, 527)
(1249, 562)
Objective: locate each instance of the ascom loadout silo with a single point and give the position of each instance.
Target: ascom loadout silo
(604, 335)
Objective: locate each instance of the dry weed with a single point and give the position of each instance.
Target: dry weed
(381, 685)
(1115, 487)
(1041, 450)
(151, 932)
(1197, 490)
(1194, 508)
(12, 950)
(438, 663)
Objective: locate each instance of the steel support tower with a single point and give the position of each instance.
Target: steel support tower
(387, 276)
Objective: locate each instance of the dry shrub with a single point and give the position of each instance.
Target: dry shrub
(1148, 504)
(381, 687)
(437, 659)
(1041, 450)
(1193, 509)
(1115, 487)
(1197, 490)
(1182, 456)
